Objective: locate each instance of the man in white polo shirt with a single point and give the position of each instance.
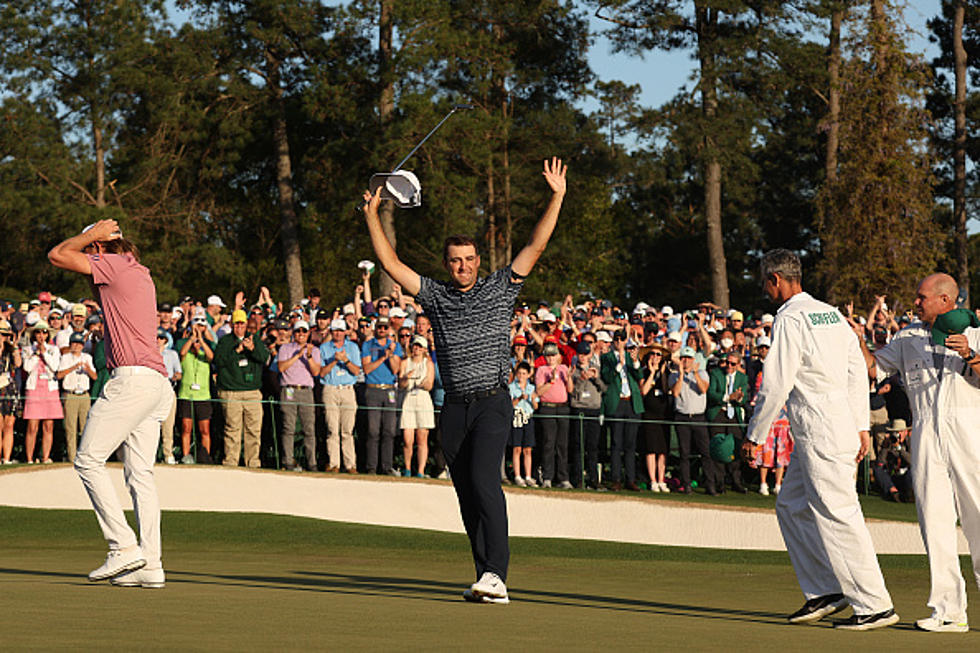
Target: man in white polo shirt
(76, 371)
(133, 402)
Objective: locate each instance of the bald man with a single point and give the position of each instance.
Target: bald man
(941, 373)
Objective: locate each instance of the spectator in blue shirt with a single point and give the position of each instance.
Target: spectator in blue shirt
(339, 371)
(381, 358)
(525, 399)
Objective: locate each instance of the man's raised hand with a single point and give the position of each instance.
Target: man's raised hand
(554, 174)
(372, 202)
(105, 230)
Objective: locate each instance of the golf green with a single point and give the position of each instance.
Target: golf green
(256, 582)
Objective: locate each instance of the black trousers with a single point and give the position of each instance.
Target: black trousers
(553, 442)
(734, 468)
(623, 442)
(696, 434)
(586, 430)
(474, 436)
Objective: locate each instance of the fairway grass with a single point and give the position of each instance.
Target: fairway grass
(268, 582)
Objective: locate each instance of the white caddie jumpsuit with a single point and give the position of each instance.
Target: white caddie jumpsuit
(944, 394)
(816, 368)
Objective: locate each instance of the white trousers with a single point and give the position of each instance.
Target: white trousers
(824, 530)
(944, 468)
(128, 413)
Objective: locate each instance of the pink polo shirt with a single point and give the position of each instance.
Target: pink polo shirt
(557, 392)
(129, 310)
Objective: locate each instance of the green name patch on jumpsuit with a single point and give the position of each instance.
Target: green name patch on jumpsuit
(823, 319)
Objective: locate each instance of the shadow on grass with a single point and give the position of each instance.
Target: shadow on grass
(444, 592)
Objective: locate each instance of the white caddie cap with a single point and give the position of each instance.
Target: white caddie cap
(667, 311)
(338, 325)
(603, 336)
(301, 324)
(214, 300)
(763, 341)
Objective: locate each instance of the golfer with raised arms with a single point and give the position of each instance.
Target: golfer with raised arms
(133, 402)
(471, 325)
(815, 367)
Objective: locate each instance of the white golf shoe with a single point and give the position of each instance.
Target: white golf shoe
(148, 578)
(764, 489)
(489, 589)
(934, 624)
(118, 562)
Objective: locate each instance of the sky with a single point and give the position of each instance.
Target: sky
(662, 74)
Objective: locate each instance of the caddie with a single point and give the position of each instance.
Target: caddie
(937, 358)
(816, 369)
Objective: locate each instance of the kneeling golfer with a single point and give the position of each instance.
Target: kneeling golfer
(133, 402)
(471, 325)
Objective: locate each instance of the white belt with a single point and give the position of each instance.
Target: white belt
(133, 370)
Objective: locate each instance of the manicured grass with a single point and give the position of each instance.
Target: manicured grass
(259, 582)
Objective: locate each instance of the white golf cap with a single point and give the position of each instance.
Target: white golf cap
(338, 325)
(674, 335)
(543, 313)
(767, 318)
(366, 265)
(667, 311)
(603, 336)
(214, 300)
(397, 311)
(301, 324)
(763, 341)
(401, 186)
(349, 309)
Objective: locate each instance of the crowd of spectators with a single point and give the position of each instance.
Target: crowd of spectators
(604, 398)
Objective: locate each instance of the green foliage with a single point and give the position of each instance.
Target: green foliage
(876, 220)
(186, 117)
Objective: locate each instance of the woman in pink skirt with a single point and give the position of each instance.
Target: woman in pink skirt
(774, 453)
(42, 404)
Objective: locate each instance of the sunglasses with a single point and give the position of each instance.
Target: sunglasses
(300, 330)
(381, 326)
(656, 353)
(405, 335)
(384, 305)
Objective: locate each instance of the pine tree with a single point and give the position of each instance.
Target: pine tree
(875, 220)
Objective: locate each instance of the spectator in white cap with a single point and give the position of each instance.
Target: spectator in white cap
(341, 367)
(214, 313)
(41, 404)
(603, 342)
(299, 364)
(673, 344)
(689, 385)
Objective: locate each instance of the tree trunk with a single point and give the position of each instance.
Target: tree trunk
(386, 108)
(706, 21)
(99, 165)
(833, 95)
(959, 151)
(284, 183)
(491, 210)
(508, 218)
